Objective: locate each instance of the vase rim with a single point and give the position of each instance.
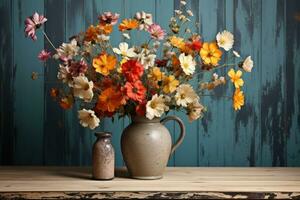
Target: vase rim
(103, 134)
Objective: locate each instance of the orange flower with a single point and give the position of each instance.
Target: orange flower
(132, 70)
(177, 42)
(238, 99)
(210, 53)
(135, 91)
(128, 24)
(104, 63)
(110, 100)
(54, 92)
(66, 102)
(176, 66)
(106, 29)
(92, 33)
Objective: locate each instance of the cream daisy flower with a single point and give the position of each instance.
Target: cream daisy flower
(124, 50)
(225, 40)
(64, 75)
(145, 20)
(83, 88)
(87, 118)
(187, 64)
(156, 107)
(67, 50)
(248, 64)
(148, 60)
(185, 95)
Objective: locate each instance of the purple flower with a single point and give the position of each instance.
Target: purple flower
(109, 18)
(44, 55)
(78, 68)
(156, 32)
(33, 23)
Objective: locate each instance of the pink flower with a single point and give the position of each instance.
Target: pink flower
(78, 68)
(32, 23)
(109, 18)
(156, 32)
(44, 55)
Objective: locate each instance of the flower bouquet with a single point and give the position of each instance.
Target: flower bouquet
(147, 79)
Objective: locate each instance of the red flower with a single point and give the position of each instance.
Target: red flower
(135, 91)
(78, 68)
(195, 44)
(44, 55)
(132, 70)
(141, 109)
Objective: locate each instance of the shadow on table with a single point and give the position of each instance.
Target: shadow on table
(86, 173)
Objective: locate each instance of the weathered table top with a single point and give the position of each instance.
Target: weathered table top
(179, 182)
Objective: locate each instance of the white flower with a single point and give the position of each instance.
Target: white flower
(236, 54)
(67, 50)
(195, 110)
(83, 88)
(103, 37)
(178, 12)
(185, 95)
(215, 76)
(157, 106)
(225, 40)
(64, 74)
(156, 44)
(182, 2)
(187, 64)
(126, 35)
(148, 60)
(190, 13)
(145, 20)
(248, 64)
(124, 50)
(88, 118)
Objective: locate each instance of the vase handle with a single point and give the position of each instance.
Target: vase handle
(182, 131)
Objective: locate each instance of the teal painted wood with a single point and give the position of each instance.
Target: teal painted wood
(264, 133)
(273, 83)
(28, 125)
(292, 118)
(7, 75)
(55, 137)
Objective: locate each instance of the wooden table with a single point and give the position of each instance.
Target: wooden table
(179, 182)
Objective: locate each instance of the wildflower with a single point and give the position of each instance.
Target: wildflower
(145, 20)
(33, 23)
(44, 55)
(185, 95)
(83, 88)
(132, 70)
(87, 118)
(148, 60)
(104, 63)
(78, 68)
(169, 84)
(236, 54)
(110, 100)
(92, 33)
(156, 32)
(54, 92)
(187, 64)
(103, 37)
(195, 110)
(66, 102)
(190, 13)
(248, 64)
(126, 35)
(156, 106)
(177, 42)
(236, 78)
(124, 50)
(67, 51)
(225, 40)
(135, 91)
(238, 99)
(210, 53)
(128, 24)
(109, 18)
(64, 74)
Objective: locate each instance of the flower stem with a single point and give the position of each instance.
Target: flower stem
(46, 36)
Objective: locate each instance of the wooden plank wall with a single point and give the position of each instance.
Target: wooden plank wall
(35, 131)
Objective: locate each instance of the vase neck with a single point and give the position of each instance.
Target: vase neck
(142, 119)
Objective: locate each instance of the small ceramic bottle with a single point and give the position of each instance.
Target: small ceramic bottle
(103, 157)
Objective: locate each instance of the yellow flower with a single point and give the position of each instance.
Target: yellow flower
(236, 78)
(104, 63)
(170, 84)
(238, 99)
(210, 53)
(177, 42)
(155, 75)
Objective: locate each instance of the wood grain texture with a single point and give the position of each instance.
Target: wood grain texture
(179, 182)
(34, 129)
